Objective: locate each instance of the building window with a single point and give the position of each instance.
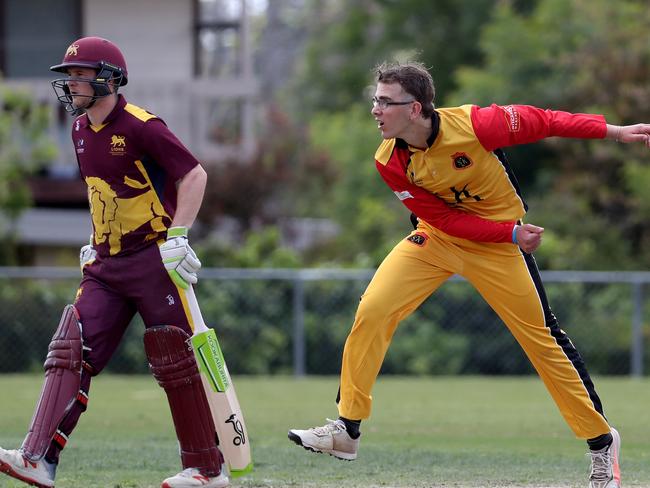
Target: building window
(34, 35)
(224, 124)
(218, 38)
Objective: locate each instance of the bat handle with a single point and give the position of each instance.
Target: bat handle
(195, 311)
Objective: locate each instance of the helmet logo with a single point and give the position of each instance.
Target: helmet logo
(72, 50)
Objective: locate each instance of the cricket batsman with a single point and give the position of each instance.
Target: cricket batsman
(430, 154)
(144, 191)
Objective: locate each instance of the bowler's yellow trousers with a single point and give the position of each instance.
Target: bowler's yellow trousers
(507, 279)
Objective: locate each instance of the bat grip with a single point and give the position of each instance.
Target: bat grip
(195, 311)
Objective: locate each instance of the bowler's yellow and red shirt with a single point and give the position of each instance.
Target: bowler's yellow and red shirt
(131, 163)
(461, 183)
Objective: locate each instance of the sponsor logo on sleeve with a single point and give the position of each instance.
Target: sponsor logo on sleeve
(512, 117)
(403, 195)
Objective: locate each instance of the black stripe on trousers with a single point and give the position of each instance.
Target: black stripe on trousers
(560, 336)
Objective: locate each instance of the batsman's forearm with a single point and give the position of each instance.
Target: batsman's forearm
(190, 195)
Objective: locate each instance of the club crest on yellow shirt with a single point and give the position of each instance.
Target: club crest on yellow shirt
(461, 160)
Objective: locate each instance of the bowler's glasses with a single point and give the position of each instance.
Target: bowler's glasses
(383, 103)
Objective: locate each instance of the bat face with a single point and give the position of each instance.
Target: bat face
(222, 399)
(210, 360)
(229, 423)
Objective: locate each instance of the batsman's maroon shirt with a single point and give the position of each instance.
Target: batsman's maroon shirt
(131, 163)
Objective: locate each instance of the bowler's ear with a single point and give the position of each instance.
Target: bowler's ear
(416, 110)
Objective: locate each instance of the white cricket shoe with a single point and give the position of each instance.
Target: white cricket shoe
(192, 478)
(332, 438)
(39, 473)
(605, 470)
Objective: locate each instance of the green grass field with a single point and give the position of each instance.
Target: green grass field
(424, 432)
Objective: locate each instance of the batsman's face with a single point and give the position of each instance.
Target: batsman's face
(393, 120)
(79, 86)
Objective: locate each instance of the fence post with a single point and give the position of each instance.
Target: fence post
(636, 357)
(299, 363)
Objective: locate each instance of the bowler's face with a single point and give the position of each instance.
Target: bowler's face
(392, 120)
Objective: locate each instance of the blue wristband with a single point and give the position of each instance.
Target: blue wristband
(514, 234)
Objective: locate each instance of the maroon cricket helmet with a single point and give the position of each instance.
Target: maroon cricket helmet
(96, 53)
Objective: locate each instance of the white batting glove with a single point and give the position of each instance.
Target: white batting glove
(179, 258)
(87, 254)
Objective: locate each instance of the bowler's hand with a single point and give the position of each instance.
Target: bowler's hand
(179, 258)
(631, 133)
(529, 237)
(87, 254)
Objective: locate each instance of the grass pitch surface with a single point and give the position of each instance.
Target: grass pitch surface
(424, 432)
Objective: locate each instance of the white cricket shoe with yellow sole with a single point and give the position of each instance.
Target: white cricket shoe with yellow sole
(332, 438)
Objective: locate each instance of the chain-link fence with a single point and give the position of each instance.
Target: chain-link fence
(273, 321)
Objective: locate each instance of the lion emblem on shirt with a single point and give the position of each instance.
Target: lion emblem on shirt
(113, 217)
(118, 141)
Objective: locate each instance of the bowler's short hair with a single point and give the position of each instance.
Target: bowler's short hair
(414, 78)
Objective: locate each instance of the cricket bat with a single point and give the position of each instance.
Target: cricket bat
(232, 436)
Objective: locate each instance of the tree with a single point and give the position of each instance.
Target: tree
(24, 148)
(349, 39)
(581, 56)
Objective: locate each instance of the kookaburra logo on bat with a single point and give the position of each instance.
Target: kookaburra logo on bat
(240, 438)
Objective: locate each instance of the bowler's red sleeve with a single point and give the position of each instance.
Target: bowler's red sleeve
(499, 126)
(438, 214)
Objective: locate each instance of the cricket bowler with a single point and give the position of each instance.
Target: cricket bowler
(144, 190)
(454, 154)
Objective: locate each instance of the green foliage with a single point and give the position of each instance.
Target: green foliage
(30, 313)
(350, 39)
(259, 249)
(361, 203)
(602, 333)
(581, 56)
(570, 56)
(453, 332)
(24, 147)
(637, 179)
(284, 178)
(252, 323)
(422, 348)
